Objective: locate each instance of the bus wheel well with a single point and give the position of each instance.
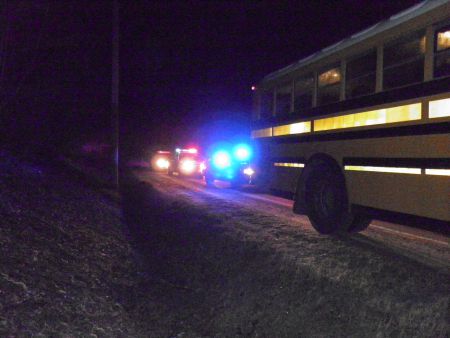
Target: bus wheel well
(322, 195)
(316, 160)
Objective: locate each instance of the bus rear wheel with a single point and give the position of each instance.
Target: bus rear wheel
(359, 223)
(327, 203)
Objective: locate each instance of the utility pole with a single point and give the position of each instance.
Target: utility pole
(115, 92)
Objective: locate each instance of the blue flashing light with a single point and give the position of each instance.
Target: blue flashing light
(221, 159)
(242, 152)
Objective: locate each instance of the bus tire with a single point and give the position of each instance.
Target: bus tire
(326, 199)
(359, 223)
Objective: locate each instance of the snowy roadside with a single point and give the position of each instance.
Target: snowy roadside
(262, 274)
(164, 261)
(66, 267)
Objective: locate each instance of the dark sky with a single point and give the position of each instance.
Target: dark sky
(186, 67)
(190, 64)
(55, 70)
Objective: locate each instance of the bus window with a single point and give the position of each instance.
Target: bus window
(283, 100)
(360, 76)
(266, 104)
(303, 93)
(442, 53)
(403, 61)
(329, 86)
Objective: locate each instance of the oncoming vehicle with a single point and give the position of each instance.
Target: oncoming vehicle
(161, 160)
(232, 164)
(184, 162)
(360, 129)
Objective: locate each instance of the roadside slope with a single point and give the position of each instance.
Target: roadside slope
(66, 268)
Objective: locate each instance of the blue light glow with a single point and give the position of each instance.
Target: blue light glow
(221, 159)
(242, 152)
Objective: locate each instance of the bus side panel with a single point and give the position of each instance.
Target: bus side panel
(417, 194)
(284, 178)
(421, 195)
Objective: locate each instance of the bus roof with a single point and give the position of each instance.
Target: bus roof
(379, 27)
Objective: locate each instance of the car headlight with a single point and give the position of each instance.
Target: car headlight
(162, 163)
(187, 166)
(221, 159)
(242, 152)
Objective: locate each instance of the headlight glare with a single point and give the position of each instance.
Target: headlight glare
(242, 152)
(221, 159)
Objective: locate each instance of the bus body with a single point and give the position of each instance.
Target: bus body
(364, 124)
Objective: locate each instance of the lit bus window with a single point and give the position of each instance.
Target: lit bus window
(360, 75)
(303, 93)
(329, 86)
(291, 129)
(403, 61)
(266, 104)
(439, 108)
(409, 112)
(443, 39)
(283, 100)
(266, 132)
(442, 56)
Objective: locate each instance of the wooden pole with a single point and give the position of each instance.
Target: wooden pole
(115, 91)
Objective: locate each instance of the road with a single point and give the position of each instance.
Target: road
(429, 248)
(257, 266)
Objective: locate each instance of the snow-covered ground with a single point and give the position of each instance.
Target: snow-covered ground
(277, 277)
(166, 259)
(66, 267)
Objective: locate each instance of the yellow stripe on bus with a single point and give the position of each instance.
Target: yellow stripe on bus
(293, 165)
(266, 132)
(409, 112)
(416, 171)
(440, 172)
(291, 129)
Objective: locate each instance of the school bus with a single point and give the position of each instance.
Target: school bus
(363, 125)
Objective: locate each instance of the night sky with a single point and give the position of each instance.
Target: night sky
(186, 68)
